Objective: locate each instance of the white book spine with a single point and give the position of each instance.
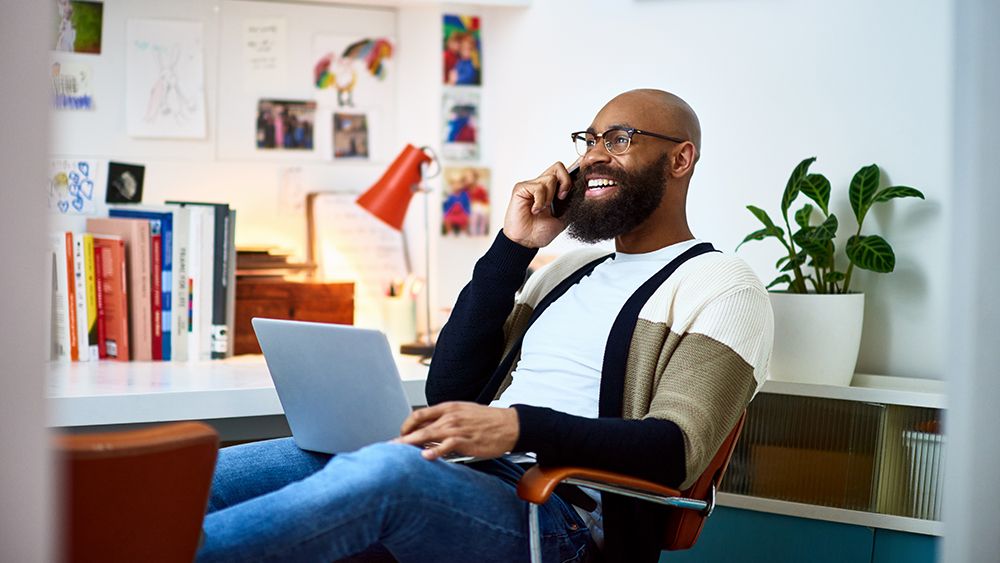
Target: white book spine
(80, 285)
(206, 284)
(181, 261)
(195, 246)
(60, 299)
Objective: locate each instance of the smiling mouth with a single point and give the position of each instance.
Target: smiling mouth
(597, 187)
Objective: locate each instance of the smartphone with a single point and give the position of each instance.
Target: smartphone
(558, 206)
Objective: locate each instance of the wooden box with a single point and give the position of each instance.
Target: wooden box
(300, 301)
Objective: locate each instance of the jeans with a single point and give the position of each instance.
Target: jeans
(272, 501)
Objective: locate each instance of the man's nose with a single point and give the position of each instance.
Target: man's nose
(597, 154)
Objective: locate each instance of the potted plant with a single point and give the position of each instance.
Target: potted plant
(817, 318)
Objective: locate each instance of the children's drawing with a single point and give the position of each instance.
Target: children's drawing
(352, 67)
(462, 51)
(72, 186)
(461, 125)
(79, 26)
(466, 206)
(165, 91)
(71, 87)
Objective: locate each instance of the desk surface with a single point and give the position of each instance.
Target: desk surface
(108, 392)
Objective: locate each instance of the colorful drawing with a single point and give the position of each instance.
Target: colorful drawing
(340, 72)
(462, 50)
(350, 135)
(165, 90)
(71, 86)
(461, 125)
(71, 186)
(78, 26)
(285, 124)
(466, 205)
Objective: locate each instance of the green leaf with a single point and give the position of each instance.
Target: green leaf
(835, 277)
(781, 279)
(817, 188)
(792, 187)
(756, 235)
(896, 191)
(782, 260)
(791, 265)
(872, 253)
(864, 185)
(802, 215)
(816, 240)
(762, 216)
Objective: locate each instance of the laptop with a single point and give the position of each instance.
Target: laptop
(338, 385)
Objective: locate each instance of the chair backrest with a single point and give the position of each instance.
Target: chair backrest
(137, 495)
(684, 525)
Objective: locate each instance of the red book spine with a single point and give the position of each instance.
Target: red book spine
(156, 286)
(102, 337)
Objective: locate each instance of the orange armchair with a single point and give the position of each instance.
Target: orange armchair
(691, 506)
(138, 495)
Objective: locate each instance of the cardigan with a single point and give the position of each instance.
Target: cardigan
(695, 358)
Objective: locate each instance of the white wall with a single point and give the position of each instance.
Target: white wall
(851, 82)
(26, 523)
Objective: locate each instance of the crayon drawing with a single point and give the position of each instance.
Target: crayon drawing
(72, 186)
(461, 125)
(353, 71)
(78, 26)
(466, 206)
(462, 51)
(71, 89)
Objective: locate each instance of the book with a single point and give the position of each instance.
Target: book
(135, 234)
(100, 336)
(156, 288)
(113, 307)
(231, 286)
(79, 281)
(221, 250)
(74, 327)
(171, 227)
(59, 322)
(90, 275)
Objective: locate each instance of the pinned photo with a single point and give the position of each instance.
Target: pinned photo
(78, 26)
(125, 182)
(466, 205)
(462, 51)
(350, 135)
(461, 126)
(285, 124)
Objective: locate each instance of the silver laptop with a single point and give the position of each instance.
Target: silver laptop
(338, 385)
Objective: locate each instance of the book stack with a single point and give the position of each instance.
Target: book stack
(268, 264)
(145, 283)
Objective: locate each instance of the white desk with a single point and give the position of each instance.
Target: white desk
(234, 395)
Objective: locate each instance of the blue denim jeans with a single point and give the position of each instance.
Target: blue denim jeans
(272, 501)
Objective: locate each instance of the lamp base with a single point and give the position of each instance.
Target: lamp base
(418, 348)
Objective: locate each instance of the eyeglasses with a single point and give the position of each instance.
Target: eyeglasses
(616, 139)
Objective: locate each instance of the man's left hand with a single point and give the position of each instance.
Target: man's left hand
(467, 428)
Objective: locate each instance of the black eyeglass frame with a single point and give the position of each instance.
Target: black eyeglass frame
(630, 131)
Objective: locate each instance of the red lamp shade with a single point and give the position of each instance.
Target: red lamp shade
(389, 198)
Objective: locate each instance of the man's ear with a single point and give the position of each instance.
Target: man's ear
(684, 157)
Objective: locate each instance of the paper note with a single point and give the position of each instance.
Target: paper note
(71, 87)
(73, 188)
(263, 52)
(165, 79)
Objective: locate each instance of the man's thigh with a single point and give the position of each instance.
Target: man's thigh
(250, 470)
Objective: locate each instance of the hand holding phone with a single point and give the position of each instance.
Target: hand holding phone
(558, 206)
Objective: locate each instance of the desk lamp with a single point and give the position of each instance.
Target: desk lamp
(388, 200)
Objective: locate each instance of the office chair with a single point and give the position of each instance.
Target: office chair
(690, 507)
(137, 495)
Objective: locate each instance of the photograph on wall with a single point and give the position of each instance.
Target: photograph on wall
(461, 125)
(285, 124)
(466, 201)
(71, 88)
(352, 71)
(463, 65)
(78, 26)
(165, 79)
(125, 182)
(350, 135)
(73, 186)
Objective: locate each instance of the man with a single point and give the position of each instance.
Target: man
(640, 363)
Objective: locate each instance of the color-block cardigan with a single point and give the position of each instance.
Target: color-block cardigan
(697, 355)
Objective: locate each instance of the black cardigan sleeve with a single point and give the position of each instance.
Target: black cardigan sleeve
(471, 344)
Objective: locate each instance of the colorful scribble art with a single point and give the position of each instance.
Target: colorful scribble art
(72, 187)
(463, 59)
(165, 90)
(78, 26)
(466, 206)
(71, 89)
(348, 70)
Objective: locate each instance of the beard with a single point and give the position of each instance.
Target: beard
(639, 194)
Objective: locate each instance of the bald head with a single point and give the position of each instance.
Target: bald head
(662, 112)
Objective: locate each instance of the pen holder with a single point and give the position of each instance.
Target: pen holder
(399, 320)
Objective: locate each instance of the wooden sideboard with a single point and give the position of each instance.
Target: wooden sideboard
(300, 301)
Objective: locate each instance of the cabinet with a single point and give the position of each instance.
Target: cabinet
(300, 301)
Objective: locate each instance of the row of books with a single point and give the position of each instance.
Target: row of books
(146, 283)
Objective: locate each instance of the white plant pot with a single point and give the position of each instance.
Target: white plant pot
(816, 337)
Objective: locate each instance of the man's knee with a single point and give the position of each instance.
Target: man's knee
(390, 468)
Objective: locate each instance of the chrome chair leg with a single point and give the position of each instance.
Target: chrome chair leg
(534, 533)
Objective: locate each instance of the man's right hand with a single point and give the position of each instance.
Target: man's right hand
(528, 221)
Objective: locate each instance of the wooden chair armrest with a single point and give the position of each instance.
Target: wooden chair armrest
(537, 484)
(135, 442)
